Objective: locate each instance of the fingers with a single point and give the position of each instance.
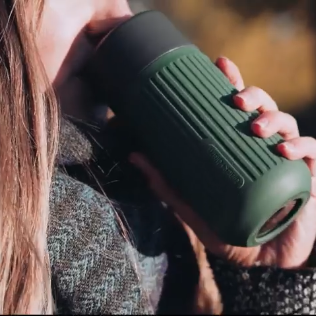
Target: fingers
(299, 148)
(248, 99)
(272, 122)
(253, 98)
(294, 147)
(302, 148)
(231, 71)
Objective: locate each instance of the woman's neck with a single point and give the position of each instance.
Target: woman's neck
(77, 101)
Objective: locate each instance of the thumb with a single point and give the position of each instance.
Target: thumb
(155, 181)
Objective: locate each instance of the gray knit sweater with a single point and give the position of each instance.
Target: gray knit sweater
(114, 249)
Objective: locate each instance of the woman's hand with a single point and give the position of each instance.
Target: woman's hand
(292, 248)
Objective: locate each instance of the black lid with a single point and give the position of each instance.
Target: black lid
(131, 47)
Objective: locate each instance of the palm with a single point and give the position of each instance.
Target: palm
(293, 247)
(290, 249)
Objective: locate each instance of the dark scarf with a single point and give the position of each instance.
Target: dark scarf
(96, 270)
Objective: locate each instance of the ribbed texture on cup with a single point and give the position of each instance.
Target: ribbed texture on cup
(194, 89)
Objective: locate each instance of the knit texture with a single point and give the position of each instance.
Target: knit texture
(96, 265)
(265, 290)
(115, 249)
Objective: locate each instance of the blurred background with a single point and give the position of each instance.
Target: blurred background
(272, 41)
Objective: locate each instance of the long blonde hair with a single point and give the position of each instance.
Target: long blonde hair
(28, 138)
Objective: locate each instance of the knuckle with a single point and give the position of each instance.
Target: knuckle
(294, 121)
(311, 141)
(264, 97)
(235, 68)
(255, 89)
(289, 118)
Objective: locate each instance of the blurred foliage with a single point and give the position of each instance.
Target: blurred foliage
(272, 41)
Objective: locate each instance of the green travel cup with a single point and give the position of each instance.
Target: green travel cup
(180, 106)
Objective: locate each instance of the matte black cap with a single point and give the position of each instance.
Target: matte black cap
(132, 46)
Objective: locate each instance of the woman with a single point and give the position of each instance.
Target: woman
(67, 248)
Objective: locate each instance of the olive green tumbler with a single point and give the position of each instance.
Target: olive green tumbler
(180, 106)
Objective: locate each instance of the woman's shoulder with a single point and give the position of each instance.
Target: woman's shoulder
(93, 265)
(98, 265)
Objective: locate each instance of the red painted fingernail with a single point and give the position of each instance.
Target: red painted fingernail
(261, 122)
(224, 58)
(288, 147)
(239, 100)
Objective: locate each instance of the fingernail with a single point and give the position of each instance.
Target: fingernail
(288, 147)
(240, 99)
(223, 58)
(262, 123)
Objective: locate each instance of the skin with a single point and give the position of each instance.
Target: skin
(293, 247)
(68, 35)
